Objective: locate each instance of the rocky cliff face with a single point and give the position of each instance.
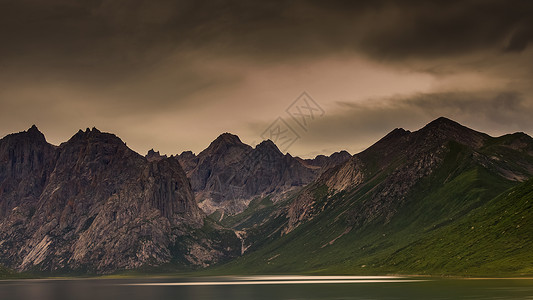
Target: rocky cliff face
(325, 163)
(26, 162)
(92, 204)
(228, 174)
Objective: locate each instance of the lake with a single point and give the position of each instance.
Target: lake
(268, 287)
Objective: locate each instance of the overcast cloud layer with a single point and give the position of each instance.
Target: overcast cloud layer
(173, 75)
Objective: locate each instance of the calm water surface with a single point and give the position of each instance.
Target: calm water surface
(268, 287)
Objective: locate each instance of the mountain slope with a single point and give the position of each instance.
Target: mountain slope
(493, 239)
(405, 193)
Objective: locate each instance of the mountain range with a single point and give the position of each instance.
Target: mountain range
(444, 199)
(228, 174)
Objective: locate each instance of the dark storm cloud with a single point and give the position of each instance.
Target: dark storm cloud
(118, 35)
(521, 38)
(444, 28)
(96, 44)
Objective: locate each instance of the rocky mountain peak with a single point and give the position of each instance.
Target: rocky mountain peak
(187, 153)
(224, 142)
(95, 136)
(444, 123)
(88, 131)
(154, 155)
(442, 129)
(396, 133)
(385, 145)
(269, 147)
(444, 120)
(227, 138)
(26, 160)
(341, 155)
(32, 134)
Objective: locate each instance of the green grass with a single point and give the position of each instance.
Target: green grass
(493, 239)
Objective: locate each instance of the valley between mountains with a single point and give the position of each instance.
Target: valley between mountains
(442, 200)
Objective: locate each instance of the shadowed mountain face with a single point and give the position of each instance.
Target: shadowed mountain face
(93, 204)
(228, 174)
(26, 162)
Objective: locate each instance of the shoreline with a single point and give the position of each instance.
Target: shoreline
(263, 277)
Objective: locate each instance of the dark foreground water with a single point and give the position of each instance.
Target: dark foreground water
(268, 287)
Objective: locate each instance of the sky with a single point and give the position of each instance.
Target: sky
(313, 76)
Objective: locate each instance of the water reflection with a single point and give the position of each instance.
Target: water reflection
(364, 288)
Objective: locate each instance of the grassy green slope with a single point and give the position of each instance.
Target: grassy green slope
(430, 234)
(493, 239)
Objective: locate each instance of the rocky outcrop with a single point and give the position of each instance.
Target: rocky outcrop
(154, 155)
(325, 163)
(228, 174)
(26, 162)
(92, 204)
(188, 161)
(347, 175)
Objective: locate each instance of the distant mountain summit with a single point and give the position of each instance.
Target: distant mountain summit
(226, 139)
(268, 150)
(443, 129)
(224, 142)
